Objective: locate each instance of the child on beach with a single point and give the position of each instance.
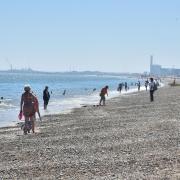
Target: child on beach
(102, 95)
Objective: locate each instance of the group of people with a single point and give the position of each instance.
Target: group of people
(126, 87)
(153, 84)
(121, 85)
(29, 105)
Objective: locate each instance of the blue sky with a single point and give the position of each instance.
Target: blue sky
(104, 35)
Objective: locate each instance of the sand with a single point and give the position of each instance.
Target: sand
(130, 138)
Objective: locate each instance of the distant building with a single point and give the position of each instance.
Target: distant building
(157, 70)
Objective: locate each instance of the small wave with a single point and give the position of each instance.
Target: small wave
(6, 105)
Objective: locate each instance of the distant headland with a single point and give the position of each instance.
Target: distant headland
(31, 71)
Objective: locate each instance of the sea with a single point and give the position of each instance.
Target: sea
(81, 89)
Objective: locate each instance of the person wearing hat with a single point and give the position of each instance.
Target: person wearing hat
(46, 97)
(27, 108)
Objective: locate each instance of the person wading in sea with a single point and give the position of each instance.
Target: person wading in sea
(125, 86)
(120, 87)
(46, 97)
(139, 85)
(102, 95)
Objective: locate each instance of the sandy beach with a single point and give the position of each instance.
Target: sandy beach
(130, 138)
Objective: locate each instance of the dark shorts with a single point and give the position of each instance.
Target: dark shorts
(103, 98)
(46, 102)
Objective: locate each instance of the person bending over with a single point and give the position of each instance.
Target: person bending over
(102, 95)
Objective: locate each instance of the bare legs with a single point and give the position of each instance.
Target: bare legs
(102, 100)
(29, 124)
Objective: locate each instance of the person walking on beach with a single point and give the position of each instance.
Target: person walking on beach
(27, 108)
(151, 89)
(46, 97)
(104, 91)
(146, 84)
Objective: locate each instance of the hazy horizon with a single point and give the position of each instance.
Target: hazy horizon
(68, 71)
(106, 36)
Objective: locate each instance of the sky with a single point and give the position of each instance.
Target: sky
(95, 35)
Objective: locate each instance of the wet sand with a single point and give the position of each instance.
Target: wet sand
(130, 138)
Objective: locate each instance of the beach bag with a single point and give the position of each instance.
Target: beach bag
(29, 108)
(20, 116)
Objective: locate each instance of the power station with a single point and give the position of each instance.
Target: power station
(157, 70)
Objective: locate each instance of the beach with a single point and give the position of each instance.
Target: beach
(130, 138)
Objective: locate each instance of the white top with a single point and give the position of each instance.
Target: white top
(151, 86)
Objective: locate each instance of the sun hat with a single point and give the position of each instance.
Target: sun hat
(27, 87)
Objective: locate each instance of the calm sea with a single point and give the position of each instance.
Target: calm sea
(79, 91)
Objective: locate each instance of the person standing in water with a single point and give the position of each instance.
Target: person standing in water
(1, 100)
(46, 97)
(64, 92)
(120, 87)
(102, 95)
(139, 85)
(27, 108)
(125, 86)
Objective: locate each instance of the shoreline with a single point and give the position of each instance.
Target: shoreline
(114, 94)
(18, 123)
(78, 90)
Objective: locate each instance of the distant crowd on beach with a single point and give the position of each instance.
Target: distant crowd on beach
(151, 83)
(29, 105)
(138, 84)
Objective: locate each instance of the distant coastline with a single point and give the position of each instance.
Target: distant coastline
(72, 72)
